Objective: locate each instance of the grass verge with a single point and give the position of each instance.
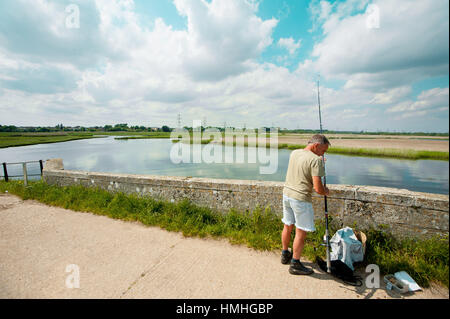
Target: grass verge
(368, 152)
(8, 139)
(142, 137)
(391, 153)
(374, 152)
(27, 139)
(425, 260)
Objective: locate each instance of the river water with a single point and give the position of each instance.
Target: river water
(153, 157)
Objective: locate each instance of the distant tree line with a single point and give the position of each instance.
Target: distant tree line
(125, 128)
(106, 128)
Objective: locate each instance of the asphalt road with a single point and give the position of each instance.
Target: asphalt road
(49, 252)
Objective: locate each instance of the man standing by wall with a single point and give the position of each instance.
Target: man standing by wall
(305, 171)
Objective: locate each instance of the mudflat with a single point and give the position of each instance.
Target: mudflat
(417, 143)
(378, 143)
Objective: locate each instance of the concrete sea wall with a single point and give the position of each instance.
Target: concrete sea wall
(401, 212)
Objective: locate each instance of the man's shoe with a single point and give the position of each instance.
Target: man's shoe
(286, 257)
(297, 268)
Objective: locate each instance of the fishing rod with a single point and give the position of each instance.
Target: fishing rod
(327, 236)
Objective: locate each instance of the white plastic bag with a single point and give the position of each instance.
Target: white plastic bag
(406, 279)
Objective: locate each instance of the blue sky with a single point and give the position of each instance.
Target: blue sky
(150, 10)
(244, 62)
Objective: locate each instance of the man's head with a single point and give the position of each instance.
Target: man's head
(318, 144)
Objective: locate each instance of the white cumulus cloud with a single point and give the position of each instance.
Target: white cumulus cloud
(400, 48)
(290, 44)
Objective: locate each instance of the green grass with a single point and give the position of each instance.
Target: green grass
(146, 136)
(425, 260)
(202, 141)
(390, 153)
(22, 139)
(373, 152)
(368, 152)
(10, 139)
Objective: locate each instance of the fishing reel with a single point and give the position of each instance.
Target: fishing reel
(324, 243)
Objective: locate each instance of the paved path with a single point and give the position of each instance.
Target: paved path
(118, 259)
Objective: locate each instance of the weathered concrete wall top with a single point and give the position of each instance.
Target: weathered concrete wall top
(402, 212)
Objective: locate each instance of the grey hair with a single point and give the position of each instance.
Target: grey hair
(319, 138)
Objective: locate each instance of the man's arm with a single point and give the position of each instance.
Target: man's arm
(318, 186)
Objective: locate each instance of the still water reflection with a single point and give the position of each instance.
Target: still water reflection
(152, 156)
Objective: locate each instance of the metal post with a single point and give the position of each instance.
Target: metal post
(25, 176)
(5, 172)
(42, 168)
